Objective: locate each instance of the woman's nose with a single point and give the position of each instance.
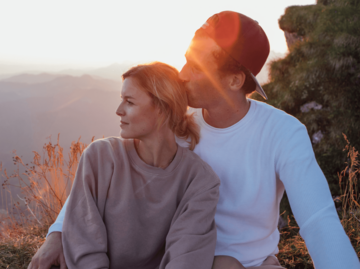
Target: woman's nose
(120, 111)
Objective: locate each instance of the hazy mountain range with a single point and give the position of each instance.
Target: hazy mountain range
(112, 71)
(35, 107)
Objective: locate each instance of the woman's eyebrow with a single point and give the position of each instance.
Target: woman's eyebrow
(127, 97)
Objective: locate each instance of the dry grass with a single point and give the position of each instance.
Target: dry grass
(348, 181)
(46, 183)
(19, 244)
(292, 249)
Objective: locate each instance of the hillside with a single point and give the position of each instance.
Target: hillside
(74, 106)
(31, 78)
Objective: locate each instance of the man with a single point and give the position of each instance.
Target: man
(255, 149)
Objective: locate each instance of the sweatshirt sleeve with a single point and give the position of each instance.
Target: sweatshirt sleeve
(191, 240)
(311, 202)
(84, 233)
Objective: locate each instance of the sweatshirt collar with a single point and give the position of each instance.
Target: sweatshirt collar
(141, 165)
(239, 125)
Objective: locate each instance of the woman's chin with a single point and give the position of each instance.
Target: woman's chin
(125, 135)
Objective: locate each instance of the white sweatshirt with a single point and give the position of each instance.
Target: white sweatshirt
(255, 159)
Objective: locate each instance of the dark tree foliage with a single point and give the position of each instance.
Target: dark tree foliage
(322, 72)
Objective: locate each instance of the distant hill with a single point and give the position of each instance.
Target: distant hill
(12, 91)
(28, 74)
(72, 106)
(112, 72)
(31, 78)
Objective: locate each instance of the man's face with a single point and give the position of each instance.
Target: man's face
(203, 84)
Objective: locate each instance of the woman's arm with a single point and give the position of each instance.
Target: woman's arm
(191, 240)
(84, 234)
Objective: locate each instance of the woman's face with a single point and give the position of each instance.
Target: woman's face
(137, 111)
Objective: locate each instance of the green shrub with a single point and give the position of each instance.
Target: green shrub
(322, 66)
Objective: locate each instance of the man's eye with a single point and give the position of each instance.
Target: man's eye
(130, 103)
(195, 67)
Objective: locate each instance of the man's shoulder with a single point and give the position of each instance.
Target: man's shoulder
(198, 166)
(263, 107)
(193, 159)
(274, 116)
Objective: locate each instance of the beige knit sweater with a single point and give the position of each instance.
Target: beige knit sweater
(123, 213)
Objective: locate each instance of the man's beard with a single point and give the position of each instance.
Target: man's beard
(187, 91)
(190, 99)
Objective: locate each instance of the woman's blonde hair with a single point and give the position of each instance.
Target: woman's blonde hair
(162, 83)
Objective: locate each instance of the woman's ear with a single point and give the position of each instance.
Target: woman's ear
(237, 81)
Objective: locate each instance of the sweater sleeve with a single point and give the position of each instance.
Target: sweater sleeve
(191, 240)
(84, 233)
(311, 202)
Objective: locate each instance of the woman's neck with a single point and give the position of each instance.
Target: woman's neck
(158, 150)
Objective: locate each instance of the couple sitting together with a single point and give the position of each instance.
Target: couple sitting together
(197, 189)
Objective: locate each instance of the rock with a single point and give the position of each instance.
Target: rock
(292, 38)
(311, 105)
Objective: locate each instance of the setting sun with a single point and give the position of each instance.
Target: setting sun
(93, 33)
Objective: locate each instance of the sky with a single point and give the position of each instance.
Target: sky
(99, 33)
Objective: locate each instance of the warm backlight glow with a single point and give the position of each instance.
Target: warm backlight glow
(196, 53)
(96, 33)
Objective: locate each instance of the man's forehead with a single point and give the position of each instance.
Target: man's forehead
(201, 47)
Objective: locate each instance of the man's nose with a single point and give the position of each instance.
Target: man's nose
(183, 74)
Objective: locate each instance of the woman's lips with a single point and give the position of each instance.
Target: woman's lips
(122, 123)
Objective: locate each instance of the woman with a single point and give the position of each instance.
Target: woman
(143, 201)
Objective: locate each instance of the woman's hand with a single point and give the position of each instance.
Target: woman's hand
(50, 253)
(228, 262)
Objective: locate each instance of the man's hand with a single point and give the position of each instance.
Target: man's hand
(50, 253)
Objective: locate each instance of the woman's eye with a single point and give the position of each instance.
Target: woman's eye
(130, 103)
